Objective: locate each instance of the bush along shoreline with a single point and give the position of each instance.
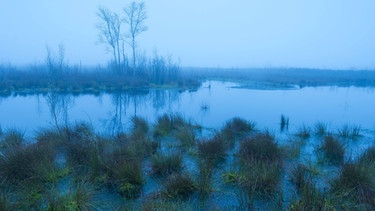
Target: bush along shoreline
(170, 165)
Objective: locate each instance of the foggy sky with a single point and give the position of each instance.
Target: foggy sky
(242, 33)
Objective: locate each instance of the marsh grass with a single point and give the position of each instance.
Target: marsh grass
(368, 158)
(261, 147)
(126, 176)
(292, 149)
(139, 125)
(21, 164)
(6, 201)
(212, 151)
(356, 183)
(163, 164)
(236, 128)
(351, 132)
(312, 199)
(81, 196)
(259, 169)
(166, 123)
(186, 174)
(179, 204)
(11, 139)
(141, 146)
(204, 180)
(179, 185)
(321, 129)
(186, 136)
(300, 176)
(333, 150)
(262, 177)
(304, 132)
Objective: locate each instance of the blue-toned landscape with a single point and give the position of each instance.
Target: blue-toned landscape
(269, 107)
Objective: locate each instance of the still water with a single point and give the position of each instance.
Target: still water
(210, 106)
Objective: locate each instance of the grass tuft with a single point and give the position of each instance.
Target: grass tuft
(179, 185)
(304, 132)
(334, 151)
(12, 138)
(356, 183)
(351, 132)
(212, 151)
(321, 129)
(262, 147)
(186, 136)
(139, 125)
(165, 164)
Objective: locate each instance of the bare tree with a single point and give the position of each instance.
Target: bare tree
(110, 33)
(55, 63)
(135, 17)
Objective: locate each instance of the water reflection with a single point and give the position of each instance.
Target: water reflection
(210, 106)
(59, 105)
(130, 103)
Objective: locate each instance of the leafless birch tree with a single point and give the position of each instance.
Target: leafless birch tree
(135, 17)
(110, 33)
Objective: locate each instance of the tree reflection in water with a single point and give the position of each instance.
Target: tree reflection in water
(59, 105)
(135, 100)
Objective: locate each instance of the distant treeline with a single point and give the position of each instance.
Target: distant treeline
(159, 73)
(76, 80)
(285, 77)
